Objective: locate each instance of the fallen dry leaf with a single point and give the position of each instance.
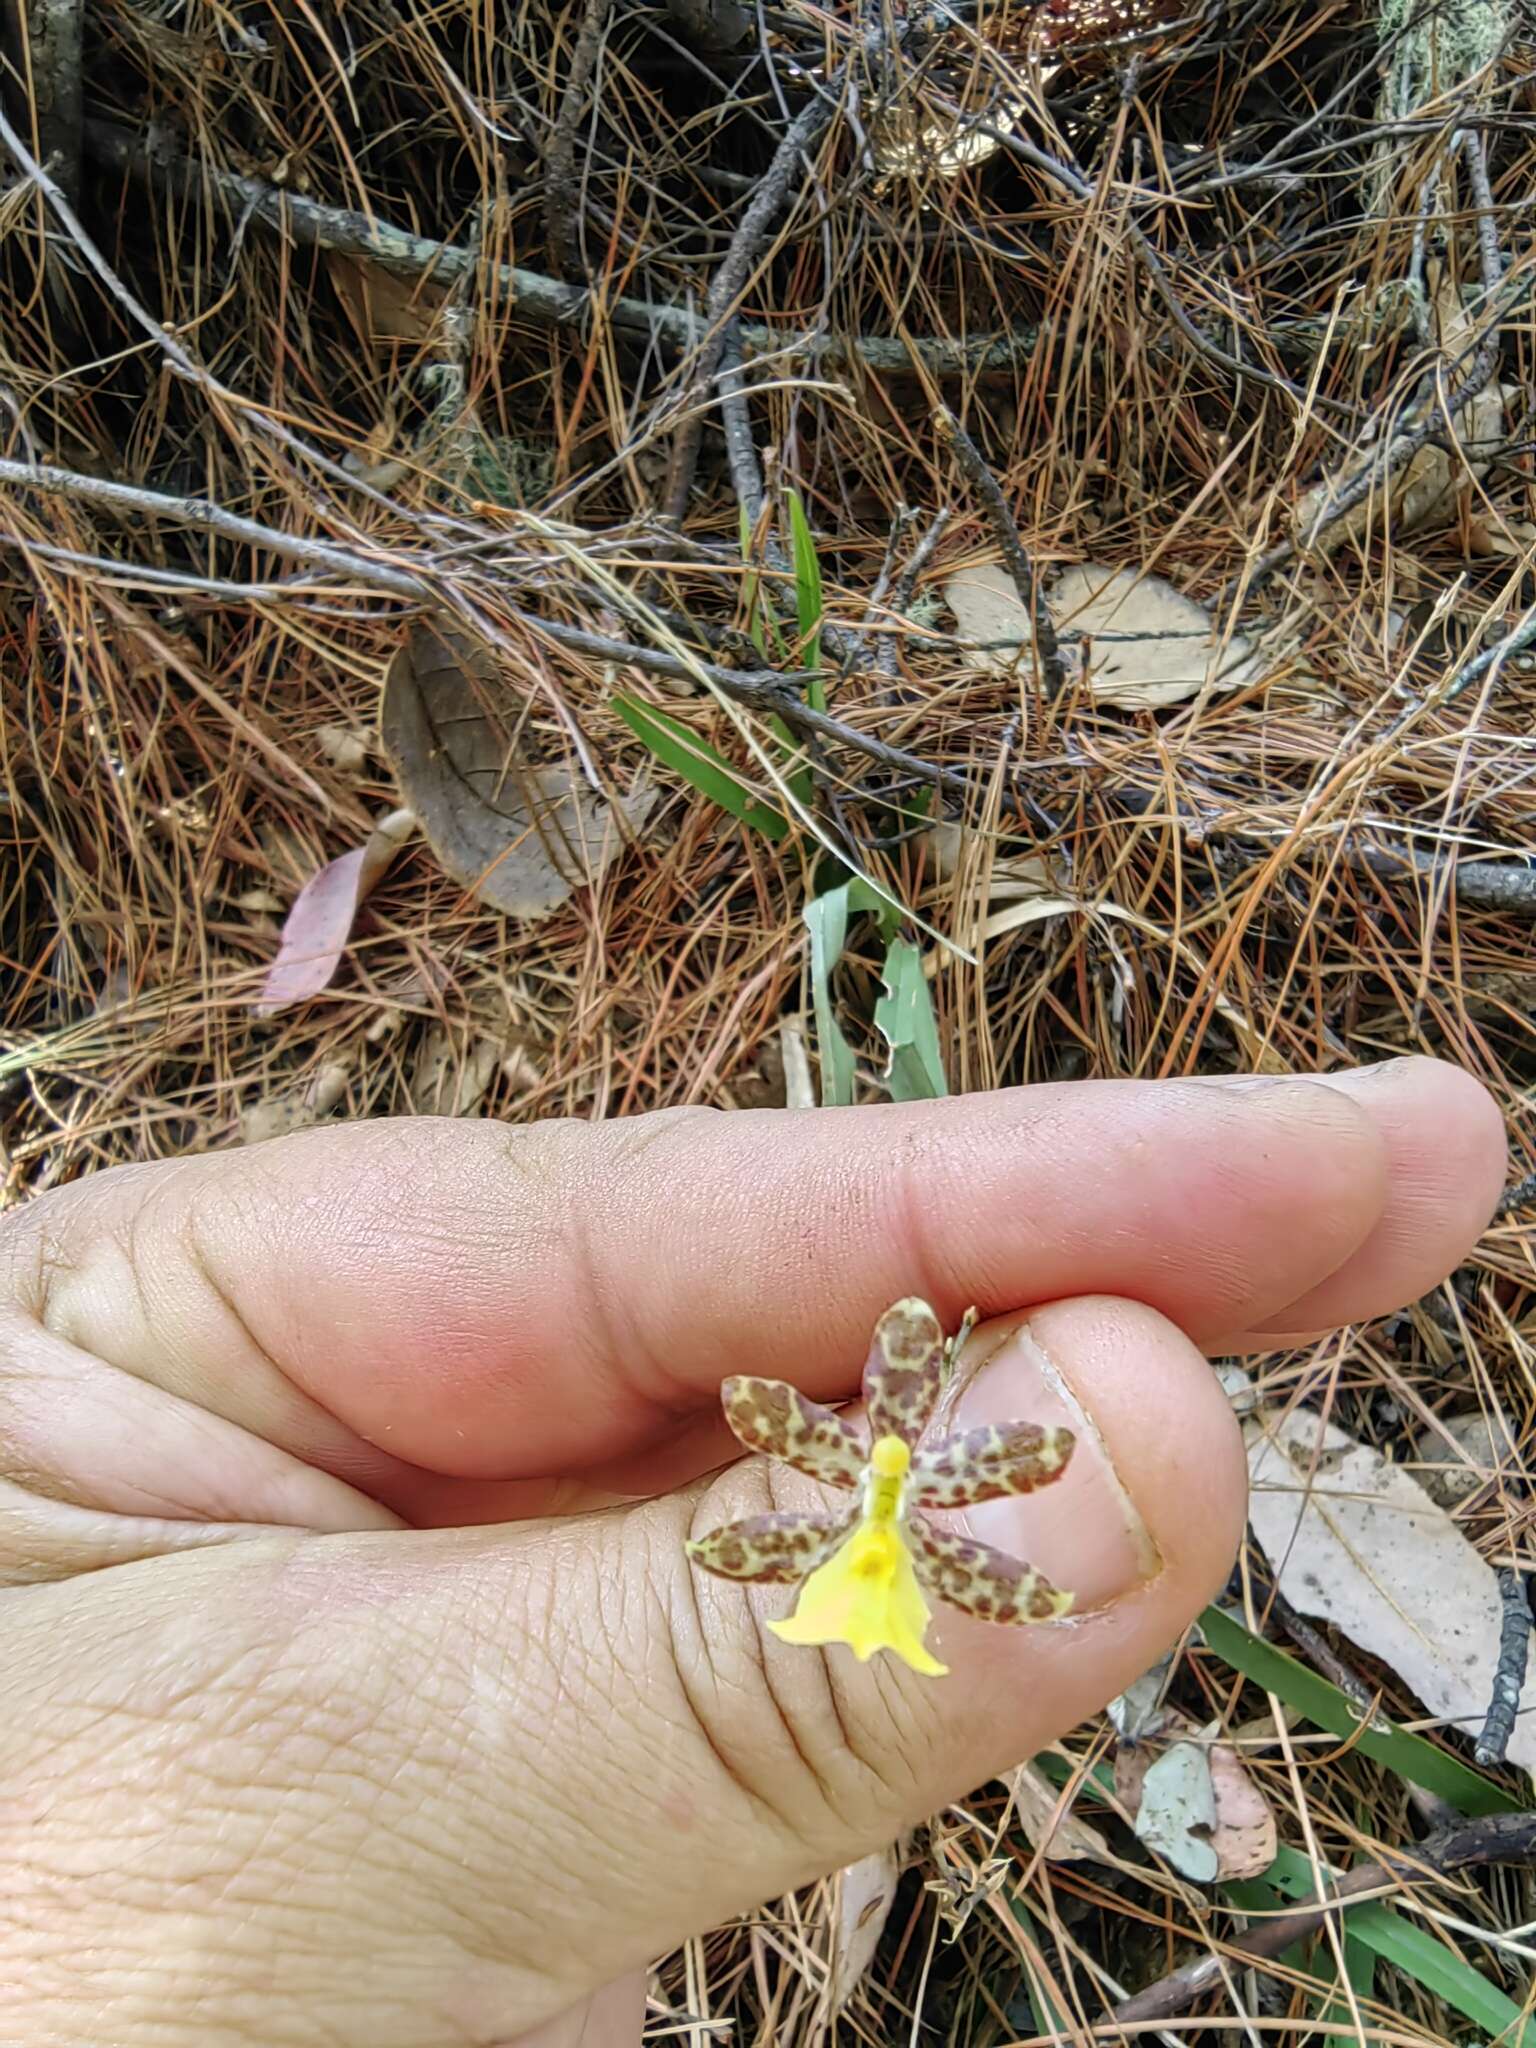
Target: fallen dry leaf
(381, 306)
(1460, 1455)
(1139, 1710)
(342, 746)
(317, 928)
(258, 901)
(799, 1089)
(1239, 1831)
(458, 1058)
(864, 1892)
(1146, 646)
(1176, 1810)
(1357, 1542)
(906, 145)
(452, 1075)
(276, 1115)
(1021, 877)
(1048, 1820)
(521, 836)
(1245, 1837)
(1422, 493)
(1513, 538)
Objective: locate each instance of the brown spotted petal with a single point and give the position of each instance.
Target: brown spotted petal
(988, 1463)
(778, 1549)
(901, 1376)
(768, 1416)
(979, 1580)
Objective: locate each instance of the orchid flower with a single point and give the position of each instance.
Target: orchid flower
(863, 1573)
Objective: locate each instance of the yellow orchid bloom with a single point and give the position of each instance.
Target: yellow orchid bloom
(863, 1574)
(866, 1594)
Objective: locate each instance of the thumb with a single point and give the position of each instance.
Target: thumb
(448, 1783)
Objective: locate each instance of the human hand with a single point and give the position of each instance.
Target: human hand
(298, 1747)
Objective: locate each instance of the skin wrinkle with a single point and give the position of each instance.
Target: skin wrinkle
(283, 1714)
(305, 1419)
(864, 1747)
(748, 1643)
(120, 1418)
(548, 1663)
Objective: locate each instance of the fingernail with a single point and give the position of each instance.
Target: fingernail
(1351, 1080)
(1083, 1530)
(1346, 1079)
(1247, 1081)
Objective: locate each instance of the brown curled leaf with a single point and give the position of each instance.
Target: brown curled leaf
(317, 928)
(521, 834)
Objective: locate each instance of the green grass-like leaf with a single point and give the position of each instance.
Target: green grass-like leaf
(1410, 1756)
(1371, 1926)
(1441, 1971)
(826, 918)
(678, 747)
(761, 619)
(1413, 1949)
(915, 1069)
(809, 604)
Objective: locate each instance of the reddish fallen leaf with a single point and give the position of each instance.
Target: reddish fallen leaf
(317, 928)
(1244, 1836)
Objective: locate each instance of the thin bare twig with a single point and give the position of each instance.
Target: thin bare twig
(740, 448)
(562, 187)
(542, 301)
(730, 280)
(769, 690)
(1383, 463)
(204, 516)
(1478, 884)
(1048, 653)
(889, 655)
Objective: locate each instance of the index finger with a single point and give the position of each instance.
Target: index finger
(487, 1301)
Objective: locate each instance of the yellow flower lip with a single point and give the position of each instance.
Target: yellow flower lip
(866, 1595)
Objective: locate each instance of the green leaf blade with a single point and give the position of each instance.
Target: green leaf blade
(1410, 1756)
(915, 1066)
(826, 918)
(1441, 1971)
(678, 747)
(809, 598)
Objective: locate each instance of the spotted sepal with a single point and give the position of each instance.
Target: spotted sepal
(780, 1550)
(979, 1580)
(768, 1416)
(988, 1463)
(901, 1376)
